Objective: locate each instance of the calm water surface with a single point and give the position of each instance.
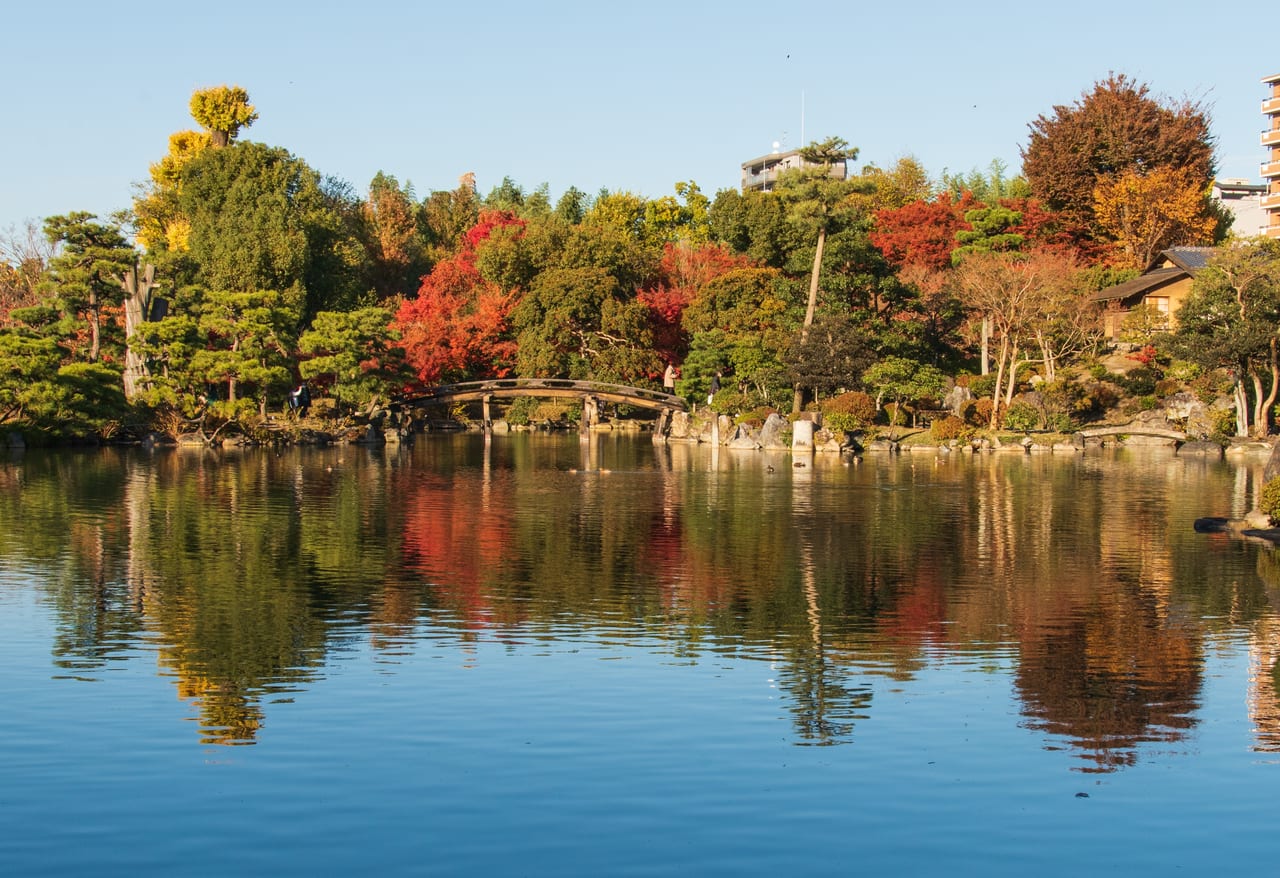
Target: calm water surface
(534, 656)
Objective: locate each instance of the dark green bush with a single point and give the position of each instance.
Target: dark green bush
(730, 402)
(1060, 422)
(521, 410)
(982, 385)
(1139, 382)
(1022, 417)
(1269, 499)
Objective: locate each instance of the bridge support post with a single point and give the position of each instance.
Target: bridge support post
(590, 414)
(486, 419)
(660, 428)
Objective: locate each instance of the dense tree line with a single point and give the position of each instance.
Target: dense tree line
(241, 271)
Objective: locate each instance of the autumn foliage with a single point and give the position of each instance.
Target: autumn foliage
(1147, 212)
(922, 233)
(459, 326)
(682, 274)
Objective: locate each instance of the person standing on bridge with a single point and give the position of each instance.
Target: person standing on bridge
(669, 379)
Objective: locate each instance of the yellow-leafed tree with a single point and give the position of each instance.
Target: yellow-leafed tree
(1148, 212)
(160, 223)
(223, 111)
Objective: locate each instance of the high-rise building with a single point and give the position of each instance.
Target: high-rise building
(1271, 168)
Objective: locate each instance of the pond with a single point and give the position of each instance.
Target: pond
(534, 655)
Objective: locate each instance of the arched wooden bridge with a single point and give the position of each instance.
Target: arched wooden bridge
(592, 394)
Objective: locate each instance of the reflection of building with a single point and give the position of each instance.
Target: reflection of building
(1271, 167)
(1243, 200)
(1163, 287)
(762, 173)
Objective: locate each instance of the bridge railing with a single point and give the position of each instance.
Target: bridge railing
(531, 386)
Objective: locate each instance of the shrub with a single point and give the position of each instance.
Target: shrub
(1210, 386)
(983, 385)
(979, 411)
(950, 427)
(1224, 424)
(1141, 323)
(1167, 387)
(1269, 499)
(855, 403)
(1022, 417)
(521, 411)
(756, 416)
(729, 402)
(1104, 396)
(1060, 422)
(1098, 371)
(1145, 403)
(1139, 382)
(1065, 397)
(848, 412)
(898, 415)
(1182, 370)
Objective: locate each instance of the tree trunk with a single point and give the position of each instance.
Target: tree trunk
(95, 329)
(809, 310)
(1012, 377)
(1264, 422)
(995, 392)
(1256, 380)
(1242, 408)
(137, 310)
(986, 344)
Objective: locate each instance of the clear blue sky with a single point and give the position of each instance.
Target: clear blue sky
(633, 97)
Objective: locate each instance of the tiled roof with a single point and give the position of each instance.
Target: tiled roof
(1189, 259)
(1143, 283)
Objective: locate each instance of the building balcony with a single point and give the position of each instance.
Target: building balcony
(1271, 137)
(1270, 169)
(1271, 106)
(1270, 202)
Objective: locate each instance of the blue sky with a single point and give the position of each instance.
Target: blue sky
(633, 97)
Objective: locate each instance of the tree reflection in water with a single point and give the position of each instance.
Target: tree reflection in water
(245, 571)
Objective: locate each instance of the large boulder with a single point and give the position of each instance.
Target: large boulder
(1273, 464)
(1181, 406)
(743, 437)
(679, 427)
(774, 433)
(956, 399)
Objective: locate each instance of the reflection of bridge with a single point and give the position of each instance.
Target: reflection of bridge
(1134, 430)
(592, 394)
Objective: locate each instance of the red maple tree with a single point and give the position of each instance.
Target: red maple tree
(458, 326)
(922, 233)
(683, 271)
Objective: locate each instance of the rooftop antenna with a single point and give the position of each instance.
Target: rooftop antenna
(802, 143)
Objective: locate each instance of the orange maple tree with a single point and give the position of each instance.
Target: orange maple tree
(1148, 212)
